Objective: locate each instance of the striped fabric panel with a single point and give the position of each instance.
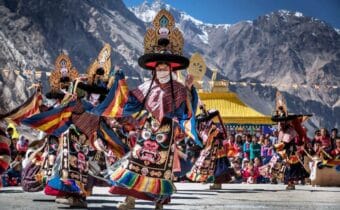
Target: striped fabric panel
(54, 121)
(130, 180)
(109, 136)
(27, 109)
(115, 100)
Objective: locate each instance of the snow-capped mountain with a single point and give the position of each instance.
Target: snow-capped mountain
(198, 35)
(34, 32)
(281, 48)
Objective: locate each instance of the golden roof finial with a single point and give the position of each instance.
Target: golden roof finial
(218, 85)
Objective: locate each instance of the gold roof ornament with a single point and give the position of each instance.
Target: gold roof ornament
(163, 26)
(63, 69)
(197, 68)
(102, 61)
(218, 85)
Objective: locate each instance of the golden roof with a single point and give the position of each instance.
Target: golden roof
(232, 109)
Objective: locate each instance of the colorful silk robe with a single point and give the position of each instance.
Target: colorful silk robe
(212, 165)
(146, 172)
(121, 102)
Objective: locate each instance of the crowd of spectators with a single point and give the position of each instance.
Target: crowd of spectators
(248, 153)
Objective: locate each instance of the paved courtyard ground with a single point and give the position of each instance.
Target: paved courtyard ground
(194, 196)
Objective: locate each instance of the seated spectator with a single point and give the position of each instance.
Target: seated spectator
(317, 149)
(250, 174)
(336, 152)
(257, 165)
(245, 162)
(325, 140)
(334, 136)
(309, 148)
(316, 137)
(236, 165)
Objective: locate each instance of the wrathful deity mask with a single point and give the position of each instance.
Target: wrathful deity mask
(154, 139)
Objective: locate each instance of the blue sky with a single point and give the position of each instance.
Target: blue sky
(232, 11)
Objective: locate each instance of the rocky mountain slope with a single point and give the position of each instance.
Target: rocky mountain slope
(280, 49)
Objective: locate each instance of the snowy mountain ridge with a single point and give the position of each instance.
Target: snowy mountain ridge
(282, 48)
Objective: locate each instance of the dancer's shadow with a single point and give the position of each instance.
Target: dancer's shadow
(196, 193)
(105, 195)
(11, 191)
(186, 197)
(316, 190)
(89, 201)
(44, 200)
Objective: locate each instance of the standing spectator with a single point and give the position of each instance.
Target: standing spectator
(239, 145)
(274, 137)
(266, 151)
(244, 138)
(261, 139)
(13, 175)
(255, 149)
(230, 147)
(246, 147)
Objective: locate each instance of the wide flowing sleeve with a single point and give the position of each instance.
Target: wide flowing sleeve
(187, 119)
(118, 102)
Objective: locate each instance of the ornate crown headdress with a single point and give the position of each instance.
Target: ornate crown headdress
(163, 43)
(281, 106)
(163, 28)
(63, 69)
(102, 61)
